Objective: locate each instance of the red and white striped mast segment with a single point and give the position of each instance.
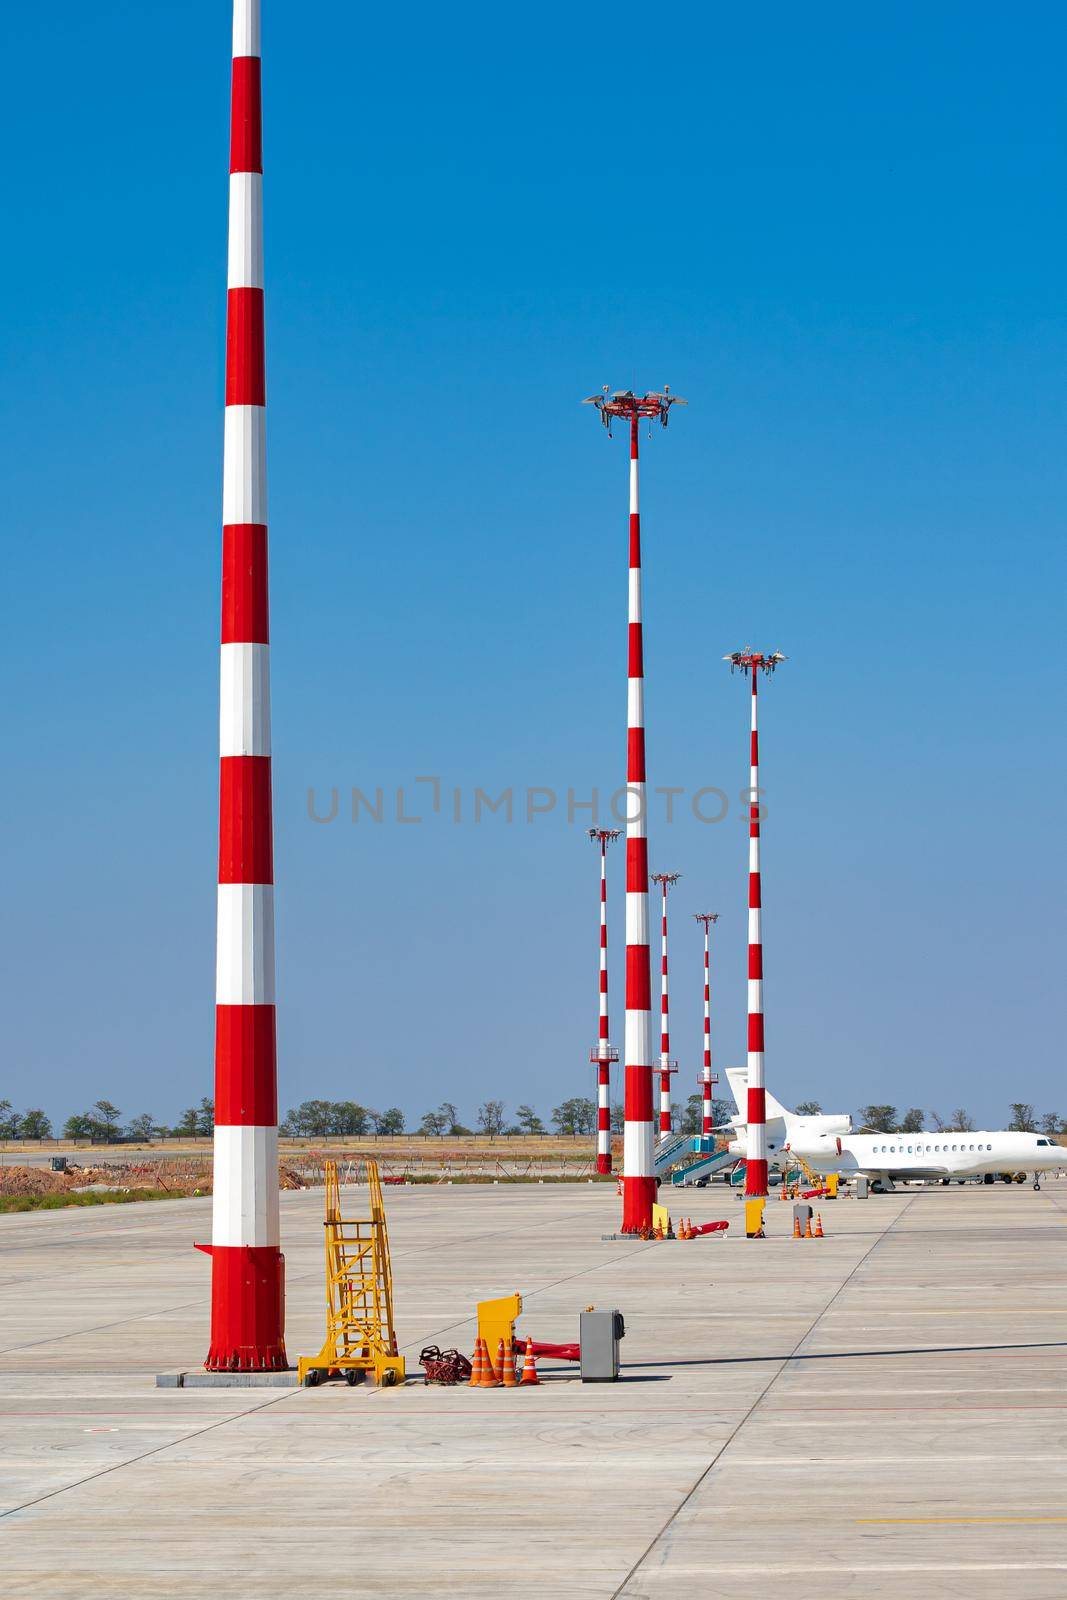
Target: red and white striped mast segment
(667, 1066)
(603, 1053)
(247, 1271)
(707, 1078)
(753, 663)
(639, 1180)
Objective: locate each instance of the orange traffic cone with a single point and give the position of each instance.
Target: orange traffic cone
(477, 1364)
(796, 1229)
(807, 1231)
(529, 1366)
(506, 1356)
(490, 1380)
(818, 1226)
(659, 1231)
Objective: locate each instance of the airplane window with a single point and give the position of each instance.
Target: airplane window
(953, 1147)
(909, 1149)
(972, 1147)
(937, 1147)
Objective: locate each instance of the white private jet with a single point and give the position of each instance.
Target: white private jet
(828, 1144)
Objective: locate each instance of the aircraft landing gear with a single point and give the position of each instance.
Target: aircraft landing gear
(1037, 1184)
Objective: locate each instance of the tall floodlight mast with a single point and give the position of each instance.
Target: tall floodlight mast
(639, 1181)
(752, 663)
(603, 1053)
(707, 1078)
(667, 1065)
(247, 1283)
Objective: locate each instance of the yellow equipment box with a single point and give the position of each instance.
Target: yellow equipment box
(496, 1321)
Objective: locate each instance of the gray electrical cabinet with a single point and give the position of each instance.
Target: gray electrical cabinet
(599, 1333)
(862, 1187)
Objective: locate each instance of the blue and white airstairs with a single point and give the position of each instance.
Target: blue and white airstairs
(704, 1163)
(667, 1150)
(692, 1157)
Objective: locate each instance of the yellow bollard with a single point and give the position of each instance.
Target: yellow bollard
(832, 1181)
(754, 1219)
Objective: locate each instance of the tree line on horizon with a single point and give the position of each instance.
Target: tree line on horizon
(322, 1119)
(884, 1119)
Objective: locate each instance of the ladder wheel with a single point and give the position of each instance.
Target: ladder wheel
(389, 1378)
(352, 1377)
(313, 1378)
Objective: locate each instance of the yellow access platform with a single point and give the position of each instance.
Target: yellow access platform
(360, 1338)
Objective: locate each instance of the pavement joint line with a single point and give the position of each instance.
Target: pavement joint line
(859, 1355)
(757, 1402)
(119, 1466)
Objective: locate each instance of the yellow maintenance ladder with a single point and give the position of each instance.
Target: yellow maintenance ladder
(360, 1338)
(828, 1181)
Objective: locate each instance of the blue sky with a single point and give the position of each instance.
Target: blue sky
(841, 236)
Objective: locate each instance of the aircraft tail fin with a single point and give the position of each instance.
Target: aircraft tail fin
(737, 1078)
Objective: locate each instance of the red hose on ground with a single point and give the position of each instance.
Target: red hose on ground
(555, 1352)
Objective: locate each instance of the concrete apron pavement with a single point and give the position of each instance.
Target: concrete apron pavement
(883, 1405)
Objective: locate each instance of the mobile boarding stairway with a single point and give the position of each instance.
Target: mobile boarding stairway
(703, 1163)
(671, 1149)
(667, 1150)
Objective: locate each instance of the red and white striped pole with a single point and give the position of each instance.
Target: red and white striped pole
(667, 1066)
(708, 1078)
(603, 1053)
(247, 1270)
(638, 1176)
(756, 1185)
(639, 1180)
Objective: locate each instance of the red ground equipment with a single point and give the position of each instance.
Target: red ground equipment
(444, 1366)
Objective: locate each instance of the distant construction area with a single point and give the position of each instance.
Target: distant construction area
(891, 1396)
(187, 1163)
